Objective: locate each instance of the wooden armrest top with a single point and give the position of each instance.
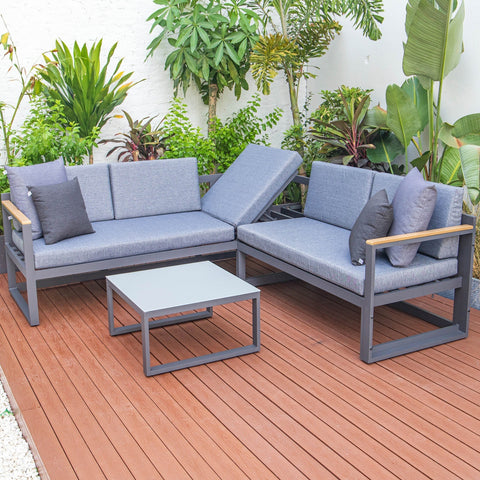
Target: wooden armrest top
(16, 213)
(419, 235)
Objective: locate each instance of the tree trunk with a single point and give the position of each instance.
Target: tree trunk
(90, 158)
(293, 98)
(212, 111)
(212, 106)
(292, 88)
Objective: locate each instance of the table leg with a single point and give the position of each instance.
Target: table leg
(111, 320)
(256, 321)
(146, 345)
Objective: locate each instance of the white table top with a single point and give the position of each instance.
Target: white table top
(179, 286)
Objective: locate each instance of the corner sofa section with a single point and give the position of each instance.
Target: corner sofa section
(315, 249)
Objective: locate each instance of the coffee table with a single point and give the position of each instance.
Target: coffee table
(176, 289)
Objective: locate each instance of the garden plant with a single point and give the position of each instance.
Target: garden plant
(220, 148)
(451, 152)
(306, 29)
(87, 90)
(211, 43)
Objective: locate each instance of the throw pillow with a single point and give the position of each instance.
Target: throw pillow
(40, 174)
(61, 211)
(413, 206)
(374, 221)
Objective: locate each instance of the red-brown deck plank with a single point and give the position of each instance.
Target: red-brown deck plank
(304, 407)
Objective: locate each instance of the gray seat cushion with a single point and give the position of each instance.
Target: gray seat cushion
(251, 184)
(337, 193)
(134, 236)
(94, 183)
(155, 187)
(322, 249)
(447, 213)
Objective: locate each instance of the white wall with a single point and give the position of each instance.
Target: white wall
(351, 60)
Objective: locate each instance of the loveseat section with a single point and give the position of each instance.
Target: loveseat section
(142, 213)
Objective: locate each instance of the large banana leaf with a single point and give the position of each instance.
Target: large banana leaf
(376, 117)
(434, 42)
(470, 158)
(461, 166)
(419, 96)
(402, 116)
(465, 131)
(387, 148)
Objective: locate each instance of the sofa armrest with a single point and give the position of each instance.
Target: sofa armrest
(9, 208)
(423, 235)
(464, 231)
(15, 213)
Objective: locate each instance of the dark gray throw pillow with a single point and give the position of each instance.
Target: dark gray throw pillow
(33, 175)
(61, 210)
(374, 221)
(413, 206)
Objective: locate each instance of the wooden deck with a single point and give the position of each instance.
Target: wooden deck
(304, 407)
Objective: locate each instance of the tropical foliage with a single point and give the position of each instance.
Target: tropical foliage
(351, 137)
(28, 86)
(433, 49)
(306, 29)
(211, 43)
(47, 135)
(229, 138)
(143, 142)
(86, 89)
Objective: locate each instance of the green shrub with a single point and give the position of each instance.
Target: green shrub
(46, 135)
(226, 141)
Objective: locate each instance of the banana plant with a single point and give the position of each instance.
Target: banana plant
(433, 49)
(86, 90)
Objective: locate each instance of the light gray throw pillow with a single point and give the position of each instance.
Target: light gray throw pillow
(33, 175)
(413, 206)
(374, 221)
(61, 211)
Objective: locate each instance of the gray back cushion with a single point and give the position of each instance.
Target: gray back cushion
(94, 183)
(20, 178)
(337, 193)
(154, 187)
(251, 184)
(447, 213)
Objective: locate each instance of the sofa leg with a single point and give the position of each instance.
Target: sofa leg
(366, 333)
(11, 273)
(241, 262)
(461, 298)
(28, 307)
(33, 316)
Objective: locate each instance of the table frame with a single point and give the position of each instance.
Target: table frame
(146, 325)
